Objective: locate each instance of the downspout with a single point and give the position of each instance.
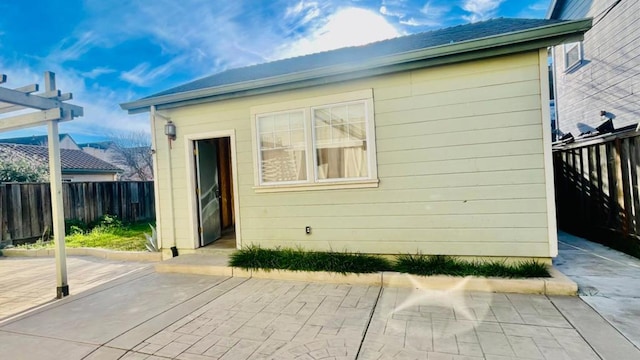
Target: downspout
(171, 218)
(555, 91)
(154, 159)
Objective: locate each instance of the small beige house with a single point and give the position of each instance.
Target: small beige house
(437, 142)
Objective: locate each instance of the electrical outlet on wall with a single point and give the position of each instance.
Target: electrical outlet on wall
(307, 230)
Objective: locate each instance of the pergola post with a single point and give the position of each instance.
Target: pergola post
(50, 109)
(57, 205)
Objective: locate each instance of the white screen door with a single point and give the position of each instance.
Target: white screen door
(208, 191)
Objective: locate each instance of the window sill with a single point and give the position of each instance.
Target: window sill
(318, 186)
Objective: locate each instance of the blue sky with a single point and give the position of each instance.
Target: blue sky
(109, 52)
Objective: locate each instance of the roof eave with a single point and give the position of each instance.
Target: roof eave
(539, 37)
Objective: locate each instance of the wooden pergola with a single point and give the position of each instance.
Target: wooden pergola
(49, 108)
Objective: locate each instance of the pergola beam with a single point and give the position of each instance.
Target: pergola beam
(55, 95)
(29, 120)
(36, 102)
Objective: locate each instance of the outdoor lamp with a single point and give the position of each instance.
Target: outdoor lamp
(170, 130)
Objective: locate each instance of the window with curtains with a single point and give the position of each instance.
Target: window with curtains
(283, 147)
(316, 145)
(340, 141)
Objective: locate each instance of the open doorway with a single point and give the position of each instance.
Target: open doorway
(214, 192)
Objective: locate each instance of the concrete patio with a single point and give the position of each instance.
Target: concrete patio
(144, 314)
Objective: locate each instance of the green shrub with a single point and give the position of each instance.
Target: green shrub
(75, 226)
(107, 222)
(254, 257)
(447, 265)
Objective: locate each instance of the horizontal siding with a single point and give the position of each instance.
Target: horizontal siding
(460, 164)
(507, 206)
(412, 194)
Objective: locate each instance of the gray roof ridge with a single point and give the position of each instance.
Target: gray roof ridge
(348, 48)
(372, 58)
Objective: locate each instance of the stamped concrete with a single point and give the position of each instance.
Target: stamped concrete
(29, 282)
(153, 315)
(608, 280)
(148, 315)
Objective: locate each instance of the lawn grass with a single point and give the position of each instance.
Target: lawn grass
(255, 258)
(125, 238)
(122, 237)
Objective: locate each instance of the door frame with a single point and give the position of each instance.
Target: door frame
(192, 201)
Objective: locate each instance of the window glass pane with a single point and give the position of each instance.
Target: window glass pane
(296, 120)
(572, 54)
(266, 141)
(265, 124)
(357, 131)
(340, 149)
(323, 134)
(282, 147)
(282, 122)
(356, 112)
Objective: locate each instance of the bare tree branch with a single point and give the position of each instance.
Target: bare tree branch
(132, 151)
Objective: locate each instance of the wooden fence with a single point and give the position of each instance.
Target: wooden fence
(25, 208)
(597, 194)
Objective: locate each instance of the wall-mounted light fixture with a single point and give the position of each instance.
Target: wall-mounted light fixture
(170, 131)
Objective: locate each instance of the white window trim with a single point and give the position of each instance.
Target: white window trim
(312, 183)
(568, 47)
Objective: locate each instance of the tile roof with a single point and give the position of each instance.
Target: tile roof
(71, 160)
(354, 54)
(103, 145)
(31, 140)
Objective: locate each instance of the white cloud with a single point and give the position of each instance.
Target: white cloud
(102, 113)
(539, 6)
(347, 27)
(480, 9)
(97, 72)
(307, 11)
(384, 10)
(421, 22)
(73, 48)
(144, 75)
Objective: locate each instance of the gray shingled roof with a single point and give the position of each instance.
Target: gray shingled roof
(71, 160)
(348, 55)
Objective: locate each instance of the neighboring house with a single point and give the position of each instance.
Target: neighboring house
(66, 141)
(601, 73)
(134, 161)
(436, 143)
(76, 164)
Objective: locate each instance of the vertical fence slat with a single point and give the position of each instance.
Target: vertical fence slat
(626, 187)
(635, 171)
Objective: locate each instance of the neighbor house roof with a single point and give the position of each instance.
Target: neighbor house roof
(454, 44)
(103, 145)
(73, 161)
(33, 140)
